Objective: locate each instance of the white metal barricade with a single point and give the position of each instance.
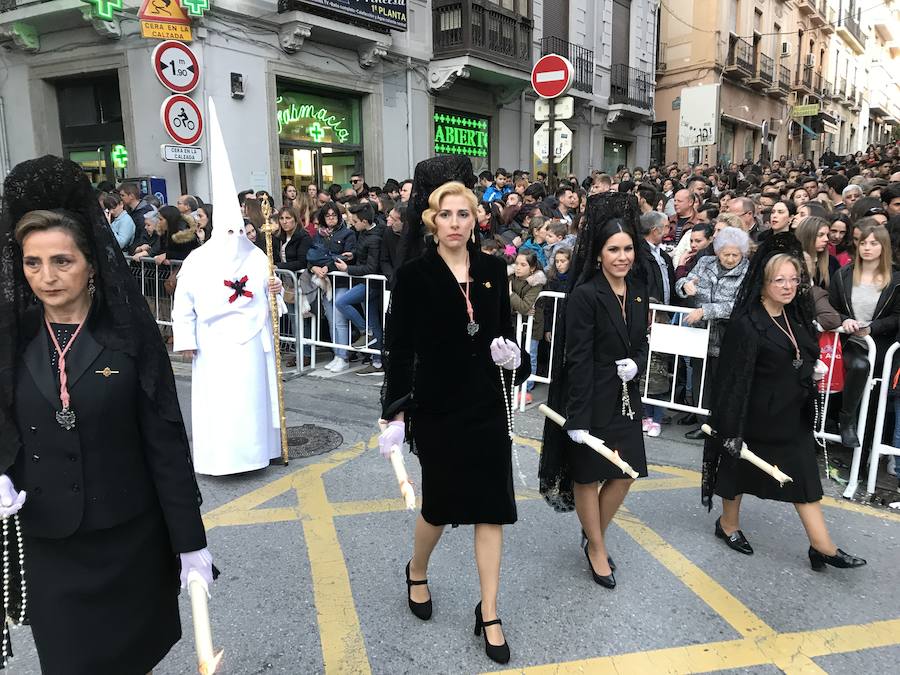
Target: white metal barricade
(288, 323)
(152, 277)
(547, 296)
(880, 448)
(373, 282)
(823, 435)
(676, 340)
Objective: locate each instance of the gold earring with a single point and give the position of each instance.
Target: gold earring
(92, 289)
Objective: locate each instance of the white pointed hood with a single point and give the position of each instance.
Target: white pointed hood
(228, 237)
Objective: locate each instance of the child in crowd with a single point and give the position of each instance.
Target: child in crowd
(492, 247)
(525, 284)
(557, 280)
(535, 240)
(556, 236)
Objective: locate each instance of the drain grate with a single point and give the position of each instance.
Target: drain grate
(309, 440)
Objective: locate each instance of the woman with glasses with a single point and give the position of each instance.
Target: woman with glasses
(865, 294)
(764, 396)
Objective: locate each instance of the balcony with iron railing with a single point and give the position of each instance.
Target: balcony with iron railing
(741, 59)
(631, 87)
(817, 84)
(581, 58)
(829, 14)
(842, 93)
(803, 79)
(849, 29)
(784, 79)
(825, 88)
(765, 72)
(481, 29)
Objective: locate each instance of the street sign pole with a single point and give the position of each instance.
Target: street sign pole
(182, 177)
(551, 155)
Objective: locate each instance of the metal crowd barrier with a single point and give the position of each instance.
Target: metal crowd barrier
(880, 448)
(315, 339)
(547, 296)
(822, 435)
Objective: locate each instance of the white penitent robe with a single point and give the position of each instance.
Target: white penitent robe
(234, 392)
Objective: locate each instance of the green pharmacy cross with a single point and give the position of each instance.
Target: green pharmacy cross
(195, 7)
(119, 156)
(104, 9)
(316, 132)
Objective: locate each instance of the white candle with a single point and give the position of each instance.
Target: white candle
(199, 592)
(757, 461)
(406, 488)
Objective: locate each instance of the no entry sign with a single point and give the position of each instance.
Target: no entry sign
(552, 76)
(182, 119)
(176, 66)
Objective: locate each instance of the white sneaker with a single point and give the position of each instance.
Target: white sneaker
(331, 364)
(341, 366)
(654, 430)
(645, 424)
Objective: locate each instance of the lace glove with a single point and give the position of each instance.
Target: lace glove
(578, 435)
(733, 446)
(820, 370)
(10, 500)
(200, 561)
(393, 436)
(506, 353)
(626, 369)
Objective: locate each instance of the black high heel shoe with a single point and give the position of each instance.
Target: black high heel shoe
(422, 610)
(497, 653)
(840, 559)
(608, 581)
(584, 541)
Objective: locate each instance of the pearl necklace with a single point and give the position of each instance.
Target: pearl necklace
(8, 619)
(507, 399)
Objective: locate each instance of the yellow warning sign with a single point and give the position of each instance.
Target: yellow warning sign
(166, 31)
(164, 11)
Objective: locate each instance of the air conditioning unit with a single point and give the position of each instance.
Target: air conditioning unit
(810, 60)
(785, 49)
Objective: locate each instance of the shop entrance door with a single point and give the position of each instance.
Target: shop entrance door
(103, 163)
(320, 165)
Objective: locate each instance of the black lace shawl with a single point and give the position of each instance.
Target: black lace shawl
(119, 319)
(553, 472)
(732, 385)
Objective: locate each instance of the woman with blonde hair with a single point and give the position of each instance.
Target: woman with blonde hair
(865, 295)
(450, 360)
(812, 233)
(303, 206)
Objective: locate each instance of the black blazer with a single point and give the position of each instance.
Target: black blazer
(120, 460)
(596, 337)
(295, 251)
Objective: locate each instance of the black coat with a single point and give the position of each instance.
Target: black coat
(391, 250)
(295, 251)
(366, 255)
(650, 273)
(596, 337)
(885, 321)
(121, 460)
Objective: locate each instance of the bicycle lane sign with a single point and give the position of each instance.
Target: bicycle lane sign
(182, 119)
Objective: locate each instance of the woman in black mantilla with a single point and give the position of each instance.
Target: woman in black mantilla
(603, 350)
(764, 395)
(449, 364)
(91, 431)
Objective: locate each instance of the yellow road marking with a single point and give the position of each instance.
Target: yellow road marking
(735, 654)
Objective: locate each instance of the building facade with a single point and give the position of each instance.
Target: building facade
(797, 77)
(309, 93)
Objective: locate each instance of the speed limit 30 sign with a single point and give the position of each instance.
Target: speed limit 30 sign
(176, 66)
(182, 119)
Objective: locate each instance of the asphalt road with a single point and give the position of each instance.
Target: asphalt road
(312, 556)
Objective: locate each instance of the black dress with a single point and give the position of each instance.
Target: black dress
(449, 387)
(597, 337)
(779, 427)
(110, 504)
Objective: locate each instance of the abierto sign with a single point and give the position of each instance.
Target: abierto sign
(461, 134)
(388, 13)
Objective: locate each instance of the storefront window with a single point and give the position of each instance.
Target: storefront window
(615, 154)
(320, 138)
(463, 134)
(726, 144)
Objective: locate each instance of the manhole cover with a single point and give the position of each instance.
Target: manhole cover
(309, 440)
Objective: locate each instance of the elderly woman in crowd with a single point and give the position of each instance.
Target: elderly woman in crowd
(711, 286)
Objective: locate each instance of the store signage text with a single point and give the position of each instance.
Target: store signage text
(319, 117)
(390, 13)
(805, 110)
(461, 135)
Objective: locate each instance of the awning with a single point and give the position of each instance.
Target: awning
(809, 132)
(830, 128)
(738, 120)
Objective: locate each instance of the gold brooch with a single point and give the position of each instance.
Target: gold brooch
(106, 372)
(637, 299)
(487, 284)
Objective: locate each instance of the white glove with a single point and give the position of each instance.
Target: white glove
(626, 369)
(506, 353)
(392, 436)
(10, 500)
(578, 435)
(820, 370)
(201, 561)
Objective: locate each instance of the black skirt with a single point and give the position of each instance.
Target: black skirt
(104, 602)
(466, 461)
(797, 458)
(622, 434)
